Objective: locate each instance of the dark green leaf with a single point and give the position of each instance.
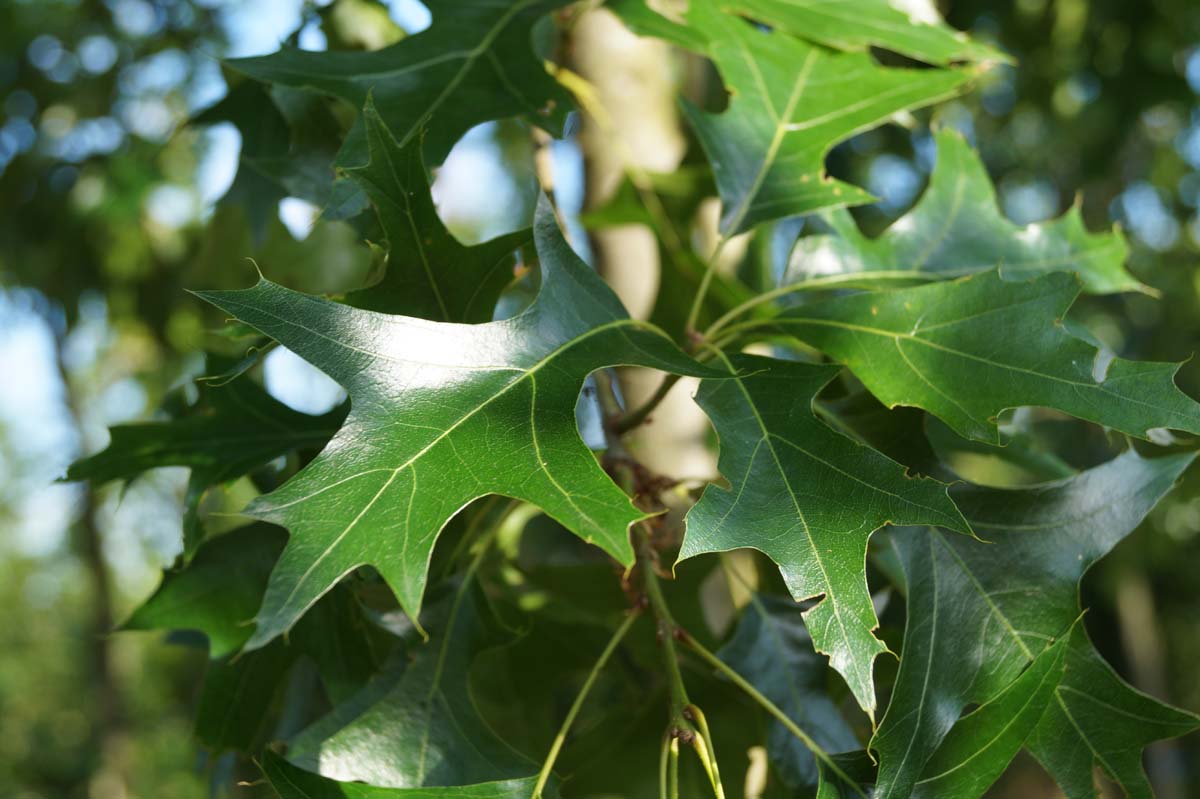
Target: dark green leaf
(772, 649)
(293, 783)
(474, 64)
(443, 414)
(416, 724)
(429, 273)
(957, 229)
(982, 744)
(968, 349)
(218, 592)
(1099, 720)
(791, 102)
(809, 498)
(232, 429)
(979, 612)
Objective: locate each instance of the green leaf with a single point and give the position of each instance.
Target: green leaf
(290, 782)
(791, 102)
(474, 64)
(855, 765)
(443, 414)
(233, 429)
(417, 280)
(289, 141)
(968, 349)
(982, 744)
(979, 612)
(772, 649)
(219, 590)
(237, 696)
(216, 594)
(860, 24)
(809, 498)
(416, 723)
(1099, 720)
(957, 229)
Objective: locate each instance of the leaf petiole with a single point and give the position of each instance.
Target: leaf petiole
(773, 709)
(559, 739)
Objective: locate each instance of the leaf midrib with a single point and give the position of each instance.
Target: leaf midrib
(766, 439)
(529, 373)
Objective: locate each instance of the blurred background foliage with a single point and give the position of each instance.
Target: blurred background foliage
(109, 211)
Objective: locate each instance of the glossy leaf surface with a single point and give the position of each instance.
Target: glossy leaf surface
(979, 612)
(968, 349)
(290, 782)
(809, 498)
(443, 414)
(415, 724)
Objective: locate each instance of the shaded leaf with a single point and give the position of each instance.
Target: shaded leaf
(809, 498)
(979, 612)
(218, 592)
(231, 430)
(982, 744)
(289, 141)
(474, 64)
(290, 782)
(429, 273)
(416, 724)
(957, 229)
(968, 349)
(1099, 720)
(772, 649)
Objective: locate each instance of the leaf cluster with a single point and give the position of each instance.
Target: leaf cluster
(446, 592)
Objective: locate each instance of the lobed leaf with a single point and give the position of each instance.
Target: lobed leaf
(957, 229)
(809, 498)
(857, 25)
(417, 281)
(233, 429)
(415, 725)
(980, 612)
(441, 415)
(474, 64)
(969, 349)
(790, 102)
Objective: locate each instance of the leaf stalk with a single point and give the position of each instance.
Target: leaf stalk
(556, 747)
(773, 709)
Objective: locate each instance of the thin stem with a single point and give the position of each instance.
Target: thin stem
(623, 424)
(732, 331)
(773, 709)
(702, 291)
(667, 631)
(559, 739)
(708, 754)
(636, 417)
(673, 775)
(664, 758)
(815, 284)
